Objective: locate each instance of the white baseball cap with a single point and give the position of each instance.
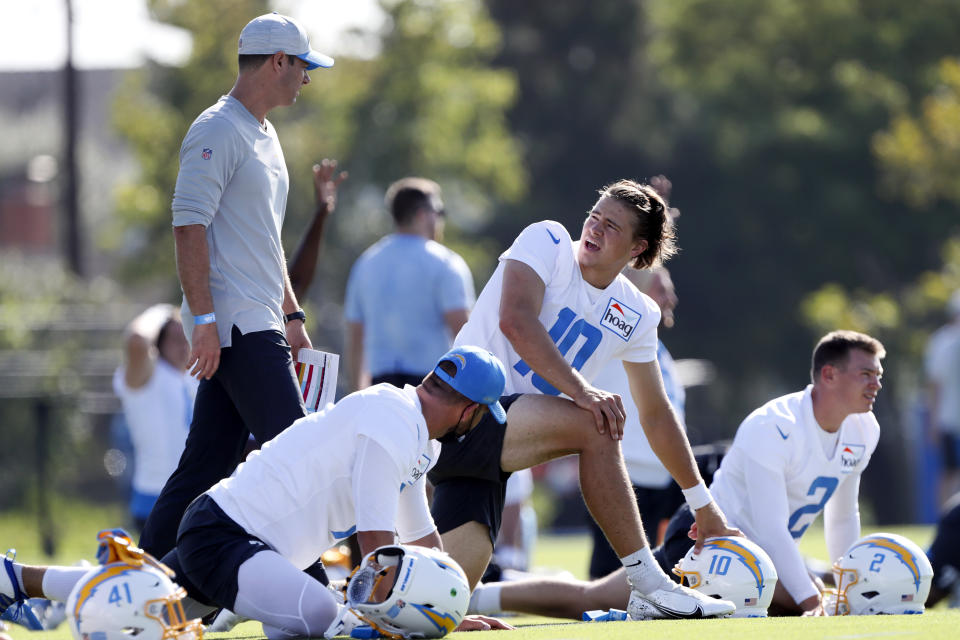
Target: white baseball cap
(273, 32)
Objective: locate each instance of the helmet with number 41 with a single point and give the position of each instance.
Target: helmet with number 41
(130, 595)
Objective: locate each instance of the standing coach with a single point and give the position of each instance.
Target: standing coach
(228, 209)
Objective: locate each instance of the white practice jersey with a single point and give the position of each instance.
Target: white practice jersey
(590, 326)
(779, 444)
(158, 417)
(303, 491)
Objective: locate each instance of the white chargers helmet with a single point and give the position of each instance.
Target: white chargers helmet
(732, 568)
(131, 595)
(882, 573)
(405, 591)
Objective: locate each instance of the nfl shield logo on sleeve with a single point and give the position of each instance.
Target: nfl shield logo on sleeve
(620, 319)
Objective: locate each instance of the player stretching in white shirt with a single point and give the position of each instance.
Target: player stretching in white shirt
(556, 312)
(792, 458)
(353, 467)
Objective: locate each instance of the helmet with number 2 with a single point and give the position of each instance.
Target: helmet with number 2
(129, 595)
(882, 573)
(732, 568)
(407, 591)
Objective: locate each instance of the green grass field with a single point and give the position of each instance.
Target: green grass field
(78, 524)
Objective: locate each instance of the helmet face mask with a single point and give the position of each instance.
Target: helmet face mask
(732, 568)
(409, 592)
(882, 573)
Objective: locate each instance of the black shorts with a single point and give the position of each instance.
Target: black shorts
(469, 484)
(676, 542)
(210, 549)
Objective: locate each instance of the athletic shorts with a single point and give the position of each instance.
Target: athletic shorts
(210, 549)
(676, 542)
(469, 484)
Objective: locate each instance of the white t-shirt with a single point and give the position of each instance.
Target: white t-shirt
(776, 479)
(233, 180)
(158, 417)
(354, 466)
(590, 326)
(942, 366)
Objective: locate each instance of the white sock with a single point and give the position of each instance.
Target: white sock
(485, 599)
(643, 572)
(59, 581)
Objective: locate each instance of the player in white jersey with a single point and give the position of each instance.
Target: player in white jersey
(356, 466)
(555, 312)
(792, 458)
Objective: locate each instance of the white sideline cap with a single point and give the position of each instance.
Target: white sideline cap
(272, 32)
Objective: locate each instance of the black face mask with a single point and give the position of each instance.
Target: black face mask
(450, 438)
(453, 436)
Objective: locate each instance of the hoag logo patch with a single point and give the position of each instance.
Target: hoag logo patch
(850, 455)
(421, 468)
(620, 319)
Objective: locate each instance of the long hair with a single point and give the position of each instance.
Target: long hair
(652, 221)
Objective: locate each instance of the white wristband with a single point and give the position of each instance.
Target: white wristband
(697, 496)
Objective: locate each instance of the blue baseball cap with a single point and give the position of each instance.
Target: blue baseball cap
(480, 376)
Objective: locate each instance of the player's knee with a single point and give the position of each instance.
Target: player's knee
(593, 441)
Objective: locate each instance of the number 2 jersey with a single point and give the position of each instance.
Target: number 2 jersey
(776, 480)
(590, 326)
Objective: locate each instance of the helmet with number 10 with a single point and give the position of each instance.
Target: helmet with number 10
(732, 568)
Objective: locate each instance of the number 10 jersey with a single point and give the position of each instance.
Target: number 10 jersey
(590, 326)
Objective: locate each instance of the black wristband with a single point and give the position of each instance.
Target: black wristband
(297, 315)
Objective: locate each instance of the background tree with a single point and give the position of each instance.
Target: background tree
(797, 214)
(429, 104)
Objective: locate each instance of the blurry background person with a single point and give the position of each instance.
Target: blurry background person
(942, 367)
(303, 265)
(407, 295)
(658, 496)
(157, 396)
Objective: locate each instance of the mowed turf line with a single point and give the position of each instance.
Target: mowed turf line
(570, 553)
(936, 624)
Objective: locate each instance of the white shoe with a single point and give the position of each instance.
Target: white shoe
(344, 623)
(673, 601)
(226, 620)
